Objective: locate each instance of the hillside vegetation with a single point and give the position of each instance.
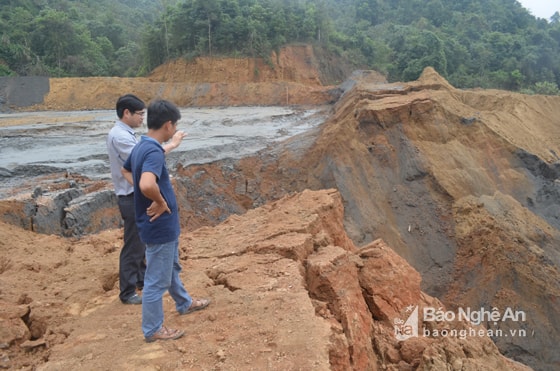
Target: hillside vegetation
(488, 44)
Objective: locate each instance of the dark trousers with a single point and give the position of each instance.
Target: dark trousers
(132, 265)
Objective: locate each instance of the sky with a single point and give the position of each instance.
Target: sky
(541, 8)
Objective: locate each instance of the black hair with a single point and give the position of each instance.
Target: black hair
(160, 111)
(130, 102)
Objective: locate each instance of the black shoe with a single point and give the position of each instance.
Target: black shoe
(134, 299)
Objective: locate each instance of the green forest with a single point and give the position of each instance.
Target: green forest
(471, 43)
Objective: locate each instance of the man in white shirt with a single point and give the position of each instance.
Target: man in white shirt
(120, 141)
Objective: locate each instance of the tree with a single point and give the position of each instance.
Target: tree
(126, 61)
(415, 50)
(546, 88)
(54, 38)
(210, 12)
(257, 22)
(15, 53)
(153, 49)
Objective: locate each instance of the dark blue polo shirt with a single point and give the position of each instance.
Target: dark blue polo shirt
(148, 156)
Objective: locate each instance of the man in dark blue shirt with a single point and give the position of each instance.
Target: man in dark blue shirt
(157, 218)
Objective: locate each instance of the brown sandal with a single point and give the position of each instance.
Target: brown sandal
(165, 333)
(197, 304)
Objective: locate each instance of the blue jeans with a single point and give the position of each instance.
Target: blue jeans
(162, 274)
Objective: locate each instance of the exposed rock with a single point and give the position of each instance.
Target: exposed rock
(68, 206)
(380, 264)
(91, 213)
(13, 329)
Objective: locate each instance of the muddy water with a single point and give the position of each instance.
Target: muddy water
(75, 141)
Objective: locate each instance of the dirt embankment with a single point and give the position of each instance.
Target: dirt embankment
(461, 186)
(297, 75)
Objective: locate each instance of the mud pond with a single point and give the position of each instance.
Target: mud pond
(37, 142)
